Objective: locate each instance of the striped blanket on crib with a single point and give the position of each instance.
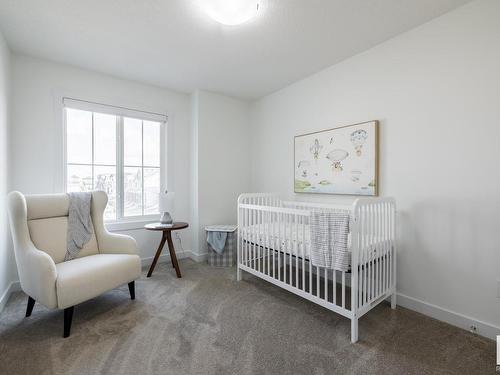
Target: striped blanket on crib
(329, 234)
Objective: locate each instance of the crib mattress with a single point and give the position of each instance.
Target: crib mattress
(294, 239)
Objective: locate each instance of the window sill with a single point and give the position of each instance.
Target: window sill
(118, 226)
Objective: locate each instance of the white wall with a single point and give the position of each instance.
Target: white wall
(36, 134)
(7, 266)
(220, 158)
(436, 92)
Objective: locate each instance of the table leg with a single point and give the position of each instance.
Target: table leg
(157, 255)
(173, 257)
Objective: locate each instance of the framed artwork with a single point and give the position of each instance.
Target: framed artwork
(342, 160)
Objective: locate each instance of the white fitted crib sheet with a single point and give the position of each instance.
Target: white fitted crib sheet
(294, 239)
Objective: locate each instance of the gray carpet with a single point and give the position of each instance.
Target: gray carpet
(207, 323)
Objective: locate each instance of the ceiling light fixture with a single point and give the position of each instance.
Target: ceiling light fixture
(231, 12)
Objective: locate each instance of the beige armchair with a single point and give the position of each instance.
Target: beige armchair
(39, 226)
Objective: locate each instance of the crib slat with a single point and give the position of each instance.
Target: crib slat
(279, 245)
(268, 224)
(326, 284)
(262, 232)
(384, 234)
(343, 290)
(245, 233)
(289, 248)
(377, 254)
(390, 252)
(363, 255)
(375, 263)
(380, 249)
(247, 236)
(296, 247)
(388, 244)
(334, 286)
(252, 244)
(317, 282)
(256, 238)
(370, 262)
(359, 219)
(308, 250)
(384, 248)
(373, 266)
(303, 247)
(365, 251)
(392, 263)
(273, 235)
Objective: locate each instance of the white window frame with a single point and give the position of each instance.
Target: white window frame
(121, 222)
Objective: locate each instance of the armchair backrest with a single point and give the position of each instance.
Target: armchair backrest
(46, 218)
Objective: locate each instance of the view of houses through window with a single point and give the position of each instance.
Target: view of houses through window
(116, 154)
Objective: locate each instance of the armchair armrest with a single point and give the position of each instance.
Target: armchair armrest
(37, 274)
(112, 243)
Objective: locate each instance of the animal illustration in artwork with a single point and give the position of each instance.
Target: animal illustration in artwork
(336, 157)
(355, 176)
(315, 149)
(303, 165)
(358, 139)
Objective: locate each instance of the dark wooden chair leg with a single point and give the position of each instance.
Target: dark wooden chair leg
(131, 289)
(68, 317)
(29, 308)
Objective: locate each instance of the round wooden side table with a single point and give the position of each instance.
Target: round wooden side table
(166, 236)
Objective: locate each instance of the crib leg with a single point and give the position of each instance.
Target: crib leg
(238, 274)
(354, 330)
(393, 301)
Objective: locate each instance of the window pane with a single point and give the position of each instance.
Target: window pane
(132, 183)
(151, 144)
(79, 136)
(132, 141)
(79, 178)
(105, 180)
(104, 139)
(151, 190)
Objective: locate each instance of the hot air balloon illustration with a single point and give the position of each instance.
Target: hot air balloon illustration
(315, 149)
(336, 157)
(358, 138)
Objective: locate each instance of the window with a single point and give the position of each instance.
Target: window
(118, 151)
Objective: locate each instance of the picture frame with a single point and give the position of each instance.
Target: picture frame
(343, 160)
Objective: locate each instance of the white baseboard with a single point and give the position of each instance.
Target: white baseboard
(198, 257)
(14, 286)
(455, 319)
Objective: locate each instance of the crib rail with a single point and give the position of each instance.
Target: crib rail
(273, 244)
(313, 206)
(263, 199)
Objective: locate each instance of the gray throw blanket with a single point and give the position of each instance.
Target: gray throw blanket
(79, 223)
(329, 233)
(217, 240)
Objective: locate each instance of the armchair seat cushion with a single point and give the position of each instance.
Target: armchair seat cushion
(83, 278)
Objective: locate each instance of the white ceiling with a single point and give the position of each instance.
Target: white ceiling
(172, 43)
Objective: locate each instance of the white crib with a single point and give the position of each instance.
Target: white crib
(273, 244)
